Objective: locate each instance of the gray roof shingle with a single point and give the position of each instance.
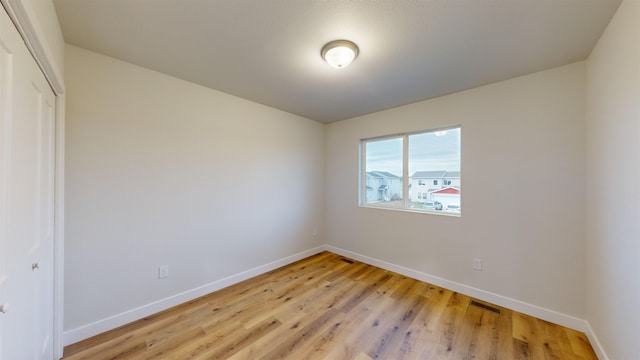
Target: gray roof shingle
(441, 174)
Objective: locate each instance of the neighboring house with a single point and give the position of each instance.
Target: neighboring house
(448, 195)
(383, 186)
(423, 183)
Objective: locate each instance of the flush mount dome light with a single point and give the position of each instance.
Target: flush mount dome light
(339, 53)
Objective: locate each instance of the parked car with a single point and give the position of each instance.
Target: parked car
(432, 205)
(453, 208)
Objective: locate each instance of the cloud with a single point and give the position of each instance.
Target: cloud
(427, 152)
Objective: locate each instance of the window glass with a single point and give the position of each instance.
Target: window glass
(383, 172)
(431, 181)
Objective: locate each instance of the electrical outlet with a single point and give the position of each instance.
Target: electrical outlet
(163, 271)
(315, 232)
(477, 264)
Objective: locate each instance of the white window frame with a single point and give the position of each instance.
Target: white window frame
(362, 193)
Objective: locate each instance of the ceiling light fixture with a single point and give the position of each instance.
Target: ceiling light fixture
(339, 53)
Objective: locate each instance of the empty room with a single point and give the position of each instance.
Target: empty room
(220, 179)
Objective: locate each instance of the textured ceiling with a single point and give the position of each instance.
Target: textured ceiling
(268, 51)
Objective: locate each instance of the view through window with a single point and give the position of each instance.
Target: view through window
(416, 171)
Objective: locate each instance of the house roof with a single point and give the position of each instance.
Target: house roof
(448, 190)
(442, 174)
(428, 174)
(383, 174)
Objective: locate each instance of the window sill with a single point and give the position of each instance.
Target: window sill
(410, 210)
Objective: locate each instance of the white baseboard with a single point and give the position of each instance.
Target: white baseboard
(112, 322)
(509, 303)
(595, 343)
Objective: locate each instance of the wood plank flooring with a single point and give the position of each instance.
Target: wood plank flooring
(331, 307)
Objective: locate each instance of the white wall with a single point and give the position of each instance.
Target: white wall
(164, 172)
(613, 185)
(522, 191)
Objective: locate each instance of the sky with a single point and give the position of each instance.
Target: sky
(430, 151)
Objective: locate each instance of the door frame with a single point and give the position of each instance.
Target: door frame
(24, 18)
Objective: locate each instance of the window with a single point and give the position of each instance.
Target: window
(393, 165)
(383, 175)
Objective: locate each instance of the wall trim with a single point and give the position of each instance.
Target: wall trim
(58, 245)
(112, 322)
(509, 303)
(29, 28)
(595, 343)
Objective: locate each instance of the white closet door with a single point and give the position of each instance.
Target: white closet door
(26, 201)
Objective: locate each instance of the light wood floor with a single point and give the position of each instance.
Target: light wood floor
(331, 307)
